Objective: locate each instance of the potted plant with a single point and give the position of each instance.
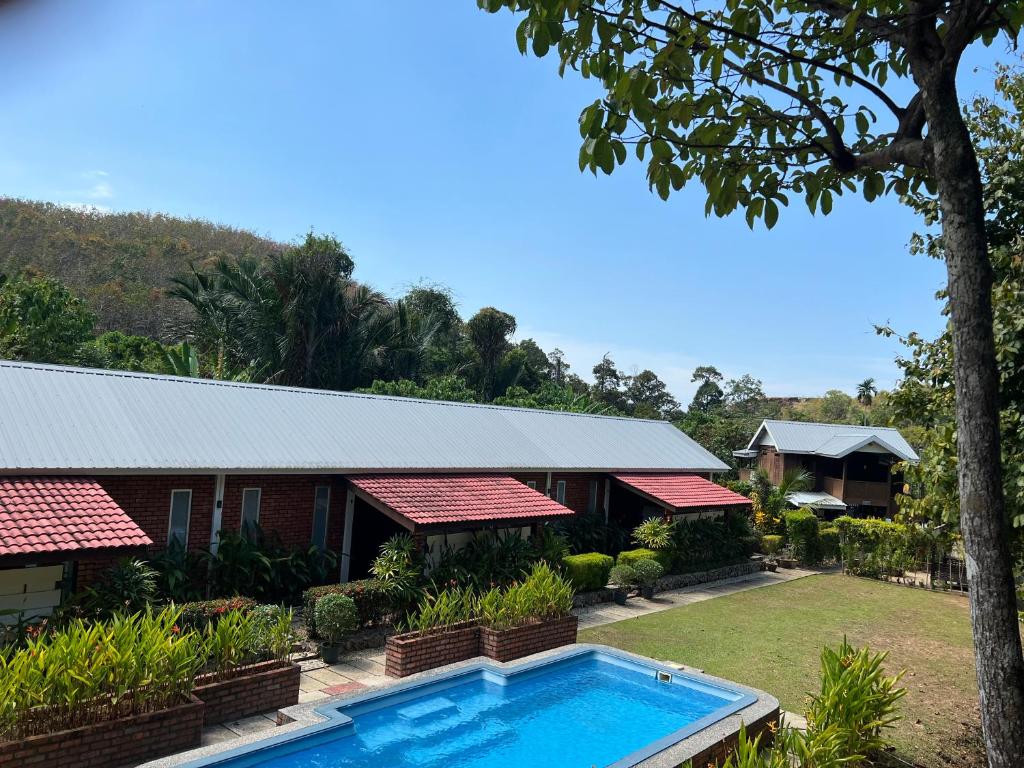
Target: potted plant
(771, 564)
(623, 579)
(336, 616)
(647, 574)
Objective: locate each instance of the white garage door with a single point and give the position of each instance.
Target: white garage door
(33, 592)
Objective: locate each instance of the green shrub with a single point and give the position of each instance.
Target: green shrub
(398, 569)
(648, 571)
(802, 530)
(631, 556)
(829, 540)
(623, 575)
(90, 672)
(701, 544)
(771, 544)
(588, 572)
(373, 603)
(198, 614)
(336, 616)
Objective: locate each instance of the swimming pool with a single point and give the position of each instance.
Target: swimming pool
(584, 707)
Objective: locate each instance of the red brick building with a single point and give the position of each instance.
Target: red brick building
(163, 457)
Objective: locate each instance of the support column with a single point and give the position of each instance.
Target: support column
(607, 498)
(346, 541)
(547, 486)
(218, 512)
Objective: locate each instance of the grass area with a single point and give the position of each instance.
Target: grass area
(771, 638)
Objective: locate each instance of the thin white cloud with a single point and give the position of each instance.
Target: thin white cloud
(101, 190)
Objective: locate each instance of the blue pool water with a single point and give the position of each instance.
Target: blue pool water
(588, 709)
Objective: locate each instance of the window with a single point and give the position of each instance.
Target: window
(250, 509)
(560, 491)
(181, 510)
(592, 499)
(531, 484)
(321, 508)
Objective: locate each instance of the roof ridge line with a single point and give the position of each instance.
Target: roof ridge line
(144, 375)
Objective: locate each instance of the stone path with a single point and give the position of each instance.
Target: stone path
(365, 669)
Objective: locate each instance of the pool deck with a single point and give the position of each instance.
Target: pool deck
(364, 670)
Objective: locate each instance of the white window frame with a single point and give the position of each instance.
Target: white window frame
(327, 515)
(259, 507)
(531, 484)
(188, 517)
(592, 499)
(560, 491)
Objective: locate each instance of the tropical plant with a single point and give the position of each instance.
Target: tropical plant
(542, 596)
(90, 672)
(398, 569)
(445, 609)
(336, 616)
(771, 544)
(866, 392)
(769, 501)
(129, 586)
(550, 547)
(180, 574)
(654, 533)
(856, 698)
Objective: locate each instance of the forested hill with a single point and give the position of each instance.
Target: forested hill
(120, 263)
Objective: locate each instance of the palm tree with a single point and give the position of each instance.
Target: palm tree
(769, 500)
(866, 391)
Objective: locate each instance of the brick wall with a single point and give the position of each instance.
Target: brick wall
(577, 489)
(256, 689)
(286, 506)
(408, 654)
(717, 754)
(147, 500)
(509, 644)
(128, 741)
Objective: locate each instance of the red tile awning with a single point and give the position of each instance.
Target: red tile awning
(682, 492)
(40, 515)
(449, 500)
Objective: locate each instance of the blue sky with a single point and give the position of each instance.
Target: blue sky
(418, 135)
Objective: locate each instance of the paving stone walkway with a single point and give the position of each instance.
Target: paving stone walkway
(365, 669)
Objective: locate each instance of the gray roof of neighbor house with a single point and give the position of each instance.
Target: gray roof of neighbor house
(833, 440)
(63, 418)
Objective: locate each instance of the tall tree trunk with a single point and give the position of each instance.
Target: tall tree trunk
(997, 642)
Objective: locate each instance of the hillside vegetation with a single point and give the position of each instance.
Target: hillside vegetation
(120, 263)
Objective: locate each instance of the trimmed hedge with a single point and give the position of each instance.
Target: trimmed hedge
(802, 530)
(588, 572)
(197, 615)
(630, 556)
(771, 544)
(372, 602)
(829, 539)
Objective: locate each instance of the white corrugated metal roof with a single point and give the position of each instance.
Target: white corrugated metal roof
(835, 440)
(818, 499)
(63, 418)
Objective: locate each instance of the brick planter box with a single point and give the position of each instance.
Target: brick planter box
(249, 690)
(718, 753)
(122, 742)
(414, 652)
(508, 644)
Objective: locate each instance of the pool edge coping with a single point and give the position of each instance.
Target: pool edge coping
(320, 716)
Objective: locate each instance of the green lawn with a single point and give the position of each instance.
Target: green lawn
(770, 638)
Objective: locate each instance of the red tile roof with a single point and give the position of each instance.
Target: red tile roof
(683, 491)
(62, 514)
(429, 499)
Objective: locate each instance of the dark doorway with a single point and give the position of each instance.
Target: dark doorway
(370, 529)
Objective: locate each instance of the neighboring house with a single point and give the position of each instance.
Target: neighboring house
(850, 466)
(97, 464)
